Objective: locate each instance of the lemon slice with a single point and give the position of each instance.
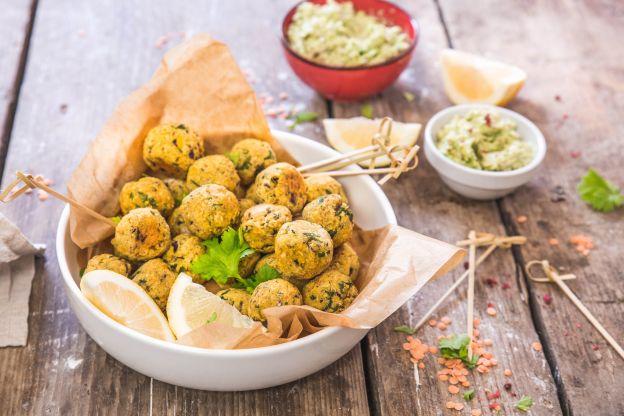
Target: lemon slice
(190, 306)
(126, 302)
(471, 78)
(348, 134)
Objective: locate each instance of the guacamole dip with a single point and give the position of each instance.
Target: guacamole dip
(484, 140)
(335, 34)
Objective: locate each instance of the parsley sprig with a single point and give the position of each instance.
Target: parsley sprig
(302, 117)
(456, 346)
(524, 404)
(221, 260)
(599, 193)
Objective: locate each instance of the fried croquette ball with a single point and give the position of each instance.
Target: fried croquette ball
(302, 249)
(141, 234)
(184, 250)
(147, 192)
(176, 223)
(319, 185)
(248, 263)
(209, 210)
(252, 156)
(345, 261)
(108, 262)
(215, 169)
(178, 189)
(239, 298)
(333, 214)
(331, 291)
(156, 278)
(275, 292)
(172, 149)
(268, 259)
(280, 184)
(261, 223)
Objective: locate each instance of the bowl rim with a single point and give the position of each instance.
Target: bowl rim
(406, 53)
(105, 320)
(540, 148)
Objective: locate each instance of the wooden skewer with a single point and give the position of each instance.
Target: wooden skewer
(553, 276)
(31, 183)
(471, 284)
(353, 172)
(321, 163)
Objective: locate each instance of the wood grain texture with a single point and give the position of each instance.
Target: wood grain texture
(424, 204)
(15, 28)
(84, 58)
(578, 59)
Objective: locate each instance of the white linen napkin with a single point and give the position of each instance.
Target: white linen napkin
(17, 269)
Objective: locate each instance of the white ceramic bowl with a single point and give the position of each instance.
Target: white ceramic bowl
(479, 184)
(227, 370)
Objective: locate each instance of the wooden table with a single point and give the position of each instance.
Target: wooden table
(66, 64)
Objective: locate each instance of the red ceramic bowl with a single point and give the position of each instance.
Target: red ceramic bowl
(354, 83)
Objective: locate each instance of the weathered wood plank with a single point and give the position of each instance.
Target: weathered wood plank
(85, 57)
(424, 204)
(15, 26)
(571, 50)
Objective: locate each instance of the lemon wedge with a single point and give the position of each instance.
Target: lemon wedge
(126, 302)
(190, 306)
(471, 78)
(348, 134)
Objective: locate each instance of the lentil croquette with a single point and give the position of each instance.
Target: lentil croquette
(147, 192)
(172, 149)
(141, 234)
(302, 249)
(209, 210)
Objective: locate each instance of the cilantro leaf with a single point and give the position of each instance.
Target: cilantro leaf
(456, 346)
(234, 157)
(599, 193)
(367, 111)
(212, 318)
(220, 263)
(469, 395)
(265, 274)
(302, 117)
(405, 329)
(524, 404)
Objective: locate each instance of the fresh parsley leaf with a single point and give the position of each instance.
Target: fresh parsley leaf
(367, 111)
(220, 263)
(524, 404)
(405, 329)
(81, 272)
(469, 395)
(116, 219)
(234, 157)
(302, 117)
(599, 193)
(212, 318)
(456, 346)
(265, 274)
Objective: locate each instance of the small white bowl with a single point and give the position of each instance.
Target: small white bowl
(480, 184)
(227, 370)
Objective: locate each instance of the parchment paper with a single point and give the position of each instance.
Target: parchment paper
(199, 84)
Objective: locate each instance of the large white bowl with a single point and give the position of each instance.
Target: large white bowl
(227, 370)
(481, 184)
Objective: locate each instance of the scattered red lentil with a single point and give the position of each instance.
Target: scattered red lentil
(507, 386)
(582, 243)
(575, 154)
(558, 98)
(507, 372)
(442, 326)
(536, 346)
(595, 347)
(505, 285)
(547, 299)
(491, 281)
(453, 389)
(446, 320)
(521, 219)
(553, 241)
(491, 311)
(433, 322)
(475, 412)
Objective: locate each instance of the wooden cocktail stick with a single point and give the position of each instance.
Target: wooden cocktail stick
(471, 283)
(553, 276)
(30, 183)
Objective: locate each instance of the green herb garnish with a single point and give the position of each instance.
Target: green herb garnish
(469, 395)
(116, 219)
(234, 157)
(599, 193)
(408, 96)
(265, 274)
(524, 404)
(367, 111)
(220, 263)
(456, 346)
(302, 117)
(405, 329)
(212, 318)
